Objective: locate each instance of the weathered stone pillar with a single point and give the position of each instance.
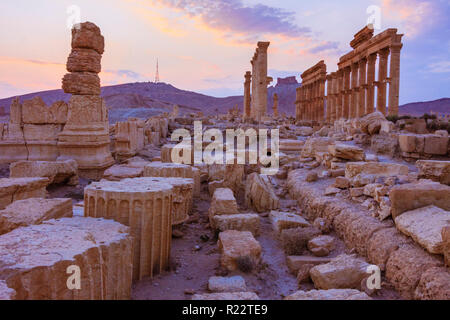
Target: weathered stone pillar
(340, 88)
(354, 91)
(382, 80)
(247, 95)
(275, 105)
(262, 79)
(85, 137)
(322, 99)
(333, 97)
(394, 85)
(329, 98)
(371, 59)
(298, 104)
(362, 88)
(253, 94)
(346, 91)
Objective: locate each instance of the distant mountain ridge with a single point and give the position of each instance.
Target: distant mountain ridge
(145, 99)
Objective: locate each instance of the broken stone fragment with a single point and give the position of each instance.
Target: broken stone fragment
(227, 284)
(235, 245)
(438, 171)
(226, 296)
(260, 194)
(84, 60)
(321, 246)
(343, 272)
(31, 211)
(88, 36)
(379, 169)
(13, 189)
(419, 194)
(55, 171)
(347, 152)
(81, 83)
(332, 294)
(424, 225)
(286, 220)
(240, 222)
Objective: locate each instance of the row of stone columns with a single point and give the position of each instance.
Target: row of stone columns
(351, 89)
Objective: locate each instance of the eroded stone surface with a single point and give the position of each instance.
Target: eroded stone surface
(13, 189)
(331, 294)
(240, 222)
(234, 245)
(286, 220)
(102, 249)
(55, 171)
(227, 284)
(31, 211)
(424, 225)
(259, 193)
(226, 296)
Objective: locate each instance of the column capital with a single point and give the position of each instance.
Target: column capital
(384, 52)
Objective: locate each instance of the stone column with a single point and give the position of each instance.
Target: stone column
(322, 99)
(354, 91)
(382, 75)
(371, 59)
(339, 89)
(346, 91)
(247, 95)
(329, 98)
(253, 86)
(394, 85)
(275, 105)
(262, 79)
(362, 88)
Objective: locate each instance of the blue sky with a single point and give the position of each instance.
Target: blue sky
(206, 45)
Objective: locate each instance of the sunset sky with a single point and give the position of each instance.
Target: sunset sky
(206, 45)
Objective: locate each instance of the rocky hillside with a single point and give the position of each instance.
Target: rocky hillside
(144, 99)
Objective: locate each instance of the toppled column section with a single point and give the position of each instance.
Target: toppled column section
(38, 258)
(13, 189)
(27, 212)
(146, 206)
(85, 137)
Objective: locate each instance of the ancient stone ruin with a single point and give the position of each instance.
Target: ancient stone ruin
(356, 207)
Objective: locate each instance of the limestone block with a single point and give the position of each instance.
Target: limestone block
(407, 142)
(38, 258)
(294, 263)
(347, 152)
(380, 169)
(382, 243)
(145, 206)
(234, 245)
(259, 193)
(88, 36)
(316, 145)
(81, 83)
(343, 272)
(31, 211)
(240, 222)
(438, 171)
(434, 285)
(331, 294)
(55, 171)
(424, 225)
(166, 153)
(342, 183)
(405, 267)
(13, 189)
(126, 139)
(87, 111)
(46, 132)
(226, 296)
(420, 194)
(119, 172)
(161, 169)
(84, 60)
(445, 233)
(286, 220)
(436, 145)
(226, 176)
(227, 284)
(223, 202)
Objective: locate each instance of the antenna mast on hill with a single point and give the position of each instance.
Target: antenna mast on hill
(157, 72)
